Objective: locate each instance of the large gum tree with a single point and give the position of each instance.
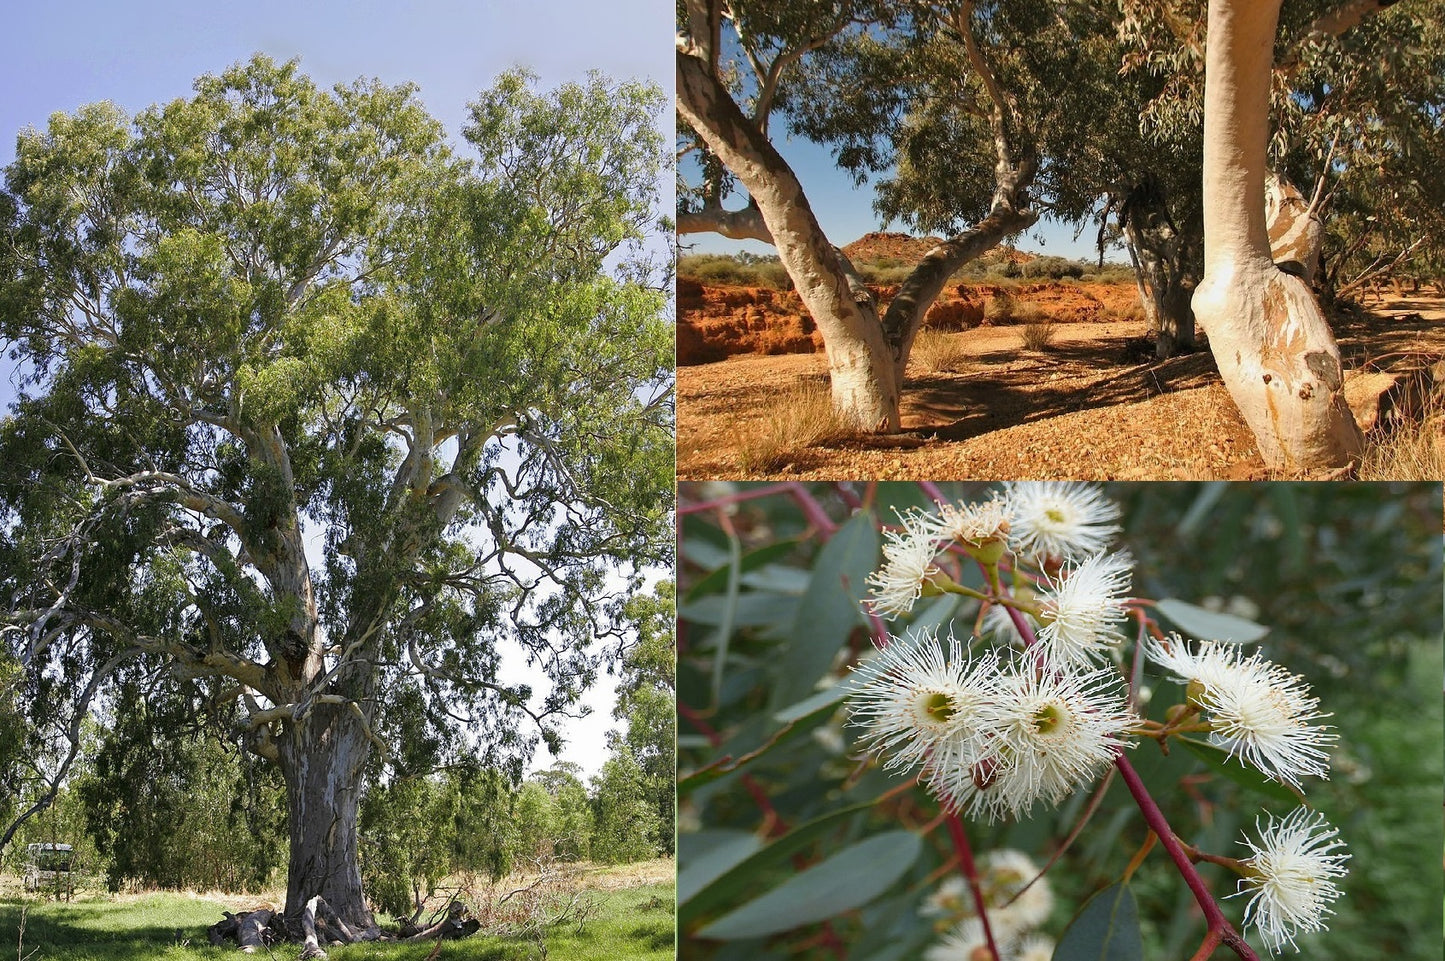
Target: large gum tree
(920, 89)
(323, 423)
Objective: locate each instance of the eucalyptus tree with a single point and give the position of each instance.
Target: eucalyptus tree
(928, 87)
(1276, 352)
(329, 421)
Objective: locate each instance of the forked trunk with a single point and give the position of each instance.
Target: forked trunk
(322, 758)
(1275, 351)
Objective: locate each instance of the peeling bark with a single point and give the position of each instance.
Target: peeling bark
(322, 757)
(1275, 351)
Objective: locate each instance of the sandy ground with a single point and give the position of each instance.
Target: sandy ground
(1089, 407)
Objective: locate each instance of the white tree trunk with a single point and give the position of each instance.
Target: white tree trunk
(860, 363)
(1274, 348)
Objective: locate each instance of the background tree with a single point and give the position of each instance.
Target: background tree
(169, 803)
(625, 822)
(647, 703)
(573, 840)
(318, 414)
(534, 817)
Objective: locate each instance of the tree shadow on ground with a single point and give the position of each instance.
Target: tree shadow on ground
(1018, 387)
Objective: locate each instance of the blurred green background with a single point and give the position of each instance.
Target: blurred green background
(1346, 576)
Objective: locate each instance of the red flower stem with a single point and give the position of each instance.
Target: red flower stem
(970, 872)
(811, 508)
(754, 493)
(1211, 941)
(1160, 825)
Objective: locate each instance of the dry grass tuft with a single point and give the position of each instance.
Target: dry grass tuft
(1039, 334)
(1411, 449)
(796, 420)
(1000, 308)
(937, 352)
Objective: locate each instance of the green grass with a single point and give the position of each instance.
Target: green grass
(632, 923)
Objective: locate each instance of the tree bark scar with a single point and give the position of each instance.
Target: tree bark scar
(1326, 368)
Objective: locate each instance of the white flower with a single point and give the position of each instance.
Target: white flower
(1037, 947)
(1019, 908)
(949, 899)
(917, 705)
(1013, 909)
(1257, 710)
(907, 562)
(973, 523)
(962, 943)
(1063, 519)
(1046, 734)
(1081, 611)
(1294, 863)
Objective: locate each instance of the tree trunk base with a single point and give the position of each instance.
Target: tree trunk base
(319, 926)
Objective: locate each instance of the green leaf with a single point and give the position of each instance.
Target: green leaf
(830, 609)
(847, 880)
(717, 580)
(823, 700)
(1209, 625)
(751, 610)
(741, 879)
(706, 854)
(1237, 771)
(1106, 929)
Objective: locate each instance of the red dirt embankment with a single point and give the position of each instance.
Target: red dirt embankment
(715, 323)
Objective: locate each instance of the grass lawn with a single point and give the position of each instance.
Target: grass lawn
(632, 923)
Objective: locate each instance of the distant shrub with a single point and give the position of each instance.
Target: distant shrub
(740, 270)
(1054, 268)
(881, 274)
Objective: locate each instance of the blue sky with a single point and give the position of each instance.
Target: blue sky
(845, 211)
(60, 55)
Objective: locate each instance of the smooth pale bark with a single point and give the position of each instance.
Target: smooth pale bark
(1273, 346)
(860, 365)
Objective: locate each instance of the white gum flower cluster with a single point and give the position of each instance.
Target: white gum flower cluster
(1257, 710)
(991, 730)
(990, 737)
(1295, 863)
(1016, 909)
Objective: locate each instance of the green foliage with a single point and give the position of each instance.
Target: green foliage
(625, 819)
(734, 270)
(534, 819)
(402, 856)
(173, 808)
(1346, 578)
(647, 702)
